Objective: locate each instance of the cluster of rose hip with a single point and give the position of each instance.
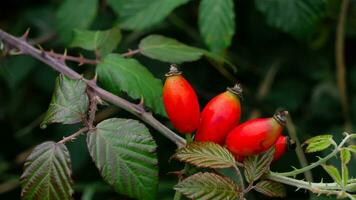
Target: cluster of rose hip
(219, 121)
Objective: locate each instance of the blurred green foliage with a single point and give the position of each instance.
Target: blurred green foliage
(295, 38)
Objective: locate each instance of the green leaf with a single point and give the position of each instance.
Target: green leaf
(69, 102)
(203, 186)
(15, 69)
(47, 173)
(138, 14)
(333, 172)
(168, 50)
(104, 41)
(345, 156)
(351, 187)
(122, 74)
(124, 152)
(75, 14)
(271, 188)
(217, 23)
(296, 17)
(318, 143)
(256, 166)
(352, 148)
(205, 154)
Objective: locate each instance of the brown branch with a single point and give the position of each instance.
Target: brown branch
(130, 52)
(80, 59)
(59, 66)
(73, 136)
(340, 63)
(93, 99)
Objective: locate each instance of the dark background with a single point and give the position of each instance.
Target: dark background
(305, 84)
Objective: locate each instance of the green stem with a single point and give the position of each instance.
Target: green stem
(319, 162)
(318, 188)
(302, 184)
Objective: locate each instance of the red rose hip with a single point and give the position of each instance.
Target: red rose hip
(220, 115)
(180, 102)
(283, 144)
(256, 136)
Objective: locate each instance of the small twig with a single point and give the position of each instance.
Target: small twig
(265, 86)
(300, 154)
(105, 113)
(73, 136)
(93, 101)
(130, 52)
(9, 185)
(80, 59)
(43, 38)
(249, 188)
(340, 63)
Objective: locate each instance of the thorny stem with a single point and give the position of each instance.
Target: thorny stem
(93, 99)
(73, 136)
(59, 66)
(300, 183)
(81, 60)
(319, 162)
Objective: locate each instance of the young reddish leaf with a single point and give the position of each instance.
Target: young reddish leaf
(208, 186)
(256, 166)
(205, 154)
(47, 173)
(271, 188)
(318, 143)
(125, 154)
(333, 172)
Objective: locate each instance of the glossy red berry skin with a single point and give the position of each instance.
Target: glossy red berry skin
(255, 136)
(280, 147)
(219, 116)
(180, 102)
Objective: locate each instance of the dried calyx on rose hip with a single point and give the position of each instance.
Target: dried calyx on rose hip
(180, 102)
(220, 115)
(283, 144)
(256, 136)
